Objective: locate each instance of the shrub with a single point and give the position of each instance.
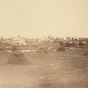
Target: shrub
(61, 43)
(80, 43)
(67, 44)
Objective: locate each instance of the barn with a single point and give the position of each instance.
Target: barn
(18, 41)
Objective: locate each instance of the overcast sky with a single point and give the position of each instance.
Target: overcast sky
(37, 18)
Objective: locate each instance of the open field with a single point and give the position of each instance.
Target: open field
(52, 70)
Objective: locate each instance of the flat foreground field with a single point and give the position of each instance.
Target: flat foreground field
(52, 70)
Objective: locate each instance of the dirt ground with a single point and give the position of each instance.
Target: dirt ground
(52, 70)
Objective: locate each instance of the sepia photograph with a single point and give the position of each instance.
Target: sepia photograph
(44, 43)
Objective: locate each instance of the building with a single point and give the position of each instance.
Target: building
(18, 41)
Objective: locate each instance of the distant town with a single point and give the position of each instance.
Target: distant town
(68, 41)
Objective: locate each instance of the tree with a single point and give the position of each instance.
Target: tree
(61, 43)
(80, 43)
(67, 44)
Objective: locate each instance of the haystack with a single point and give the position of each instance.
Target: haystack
(85, 53)
(41, 50)
(18, 58)
(61, 49)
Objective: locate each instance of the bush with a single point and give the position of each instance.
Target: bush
(67, 44)
(80, 44)
(73, 44)
(61, 43)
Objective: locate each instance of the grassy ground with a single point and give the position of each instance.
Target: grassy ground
(52, 70)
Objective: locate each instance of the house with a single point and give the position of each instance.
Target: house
(33, 41)
(18, 41)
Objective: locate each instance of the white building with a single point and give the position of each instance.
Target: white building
(18, 41)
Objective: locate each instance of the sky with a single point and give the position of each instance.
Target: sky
(40, 18)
